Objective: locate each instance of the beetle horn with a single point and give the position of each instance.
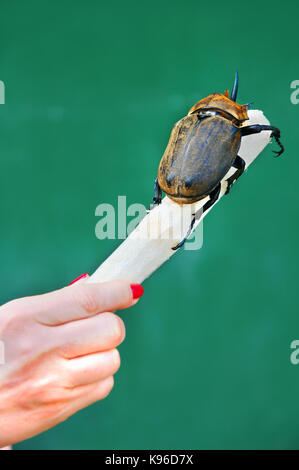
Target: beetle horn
(233, 96)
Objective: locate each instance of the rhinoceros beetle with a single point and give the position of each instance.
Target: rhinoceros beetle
(202, 147)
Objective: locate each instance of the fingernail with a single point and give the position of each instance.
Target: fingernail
(137, 291)
(78, 278)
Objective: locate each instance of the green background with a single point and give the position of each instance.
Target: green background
(92, 91)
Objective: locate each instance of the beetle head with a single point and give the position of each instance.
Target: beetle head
(223, 102)
(218, 100)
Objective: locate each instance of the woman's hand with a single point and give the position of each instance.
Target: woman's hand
(60, 354)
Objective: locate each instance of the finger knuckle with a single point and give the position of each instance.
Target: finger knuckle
(115, 360)
(106, 387)
(88, 300)
(15, 331)
(116, 328)
(42, 395)
(16, 308)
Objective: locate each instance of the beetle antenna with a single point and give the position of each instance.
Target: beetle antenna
(233, 96)
(249, 105)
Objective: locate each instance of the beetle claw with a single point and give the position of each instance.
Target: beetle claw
(276, 136)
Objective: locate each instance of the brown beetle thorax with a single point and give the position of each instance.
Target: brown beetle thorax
(218, 100)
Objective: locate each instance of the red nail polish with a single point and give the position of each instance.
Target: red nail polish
(137, 290)
(78, 278)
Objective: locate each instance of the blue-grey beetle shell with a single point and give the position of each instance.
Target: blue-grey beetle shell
(199, 153)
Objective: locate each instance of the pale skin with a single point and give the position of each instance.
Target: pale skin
(60, 355)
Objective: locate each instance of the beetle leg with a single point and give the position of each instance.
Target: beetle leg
(240, 164)
(213, 198)
(256, 128)
(157, 194)
(174, 248)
